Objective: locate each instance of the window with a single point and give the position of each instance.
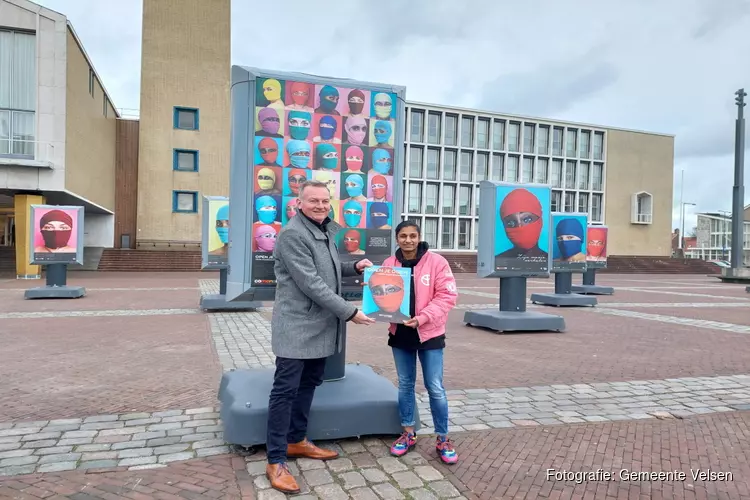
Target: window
(415, 197)
(597, 177)
(497, 167)
(464, 200)
(483, 133)
(498, 134)
(185, 160)
(557, 138)
(449, 165)
(476, 201)
(433, 163)
(449, 199)
(105, 105)
(570, 202)
(92, 79)
(482, 166)
(17, 94)
(542, 140)
(466, 161)
(431, 232)
(583, 175)
(585, 143)
(185, 202)
(447, 240)
(186, 118)
(463, 234)
(598, 145)
(570, 174)
(476, 234)
(417, 126)
(541, 170)
(556, 174)
(570, 142)
(431, 198)
(528, 138)
(556, 201)
(405, 208)
(511, 171)
(596, 207)
(433, 127)
(528, 169)
(641, 209)
(467, 131)
(514, 132)
(451, 130)
(583, 202)
(415, 162)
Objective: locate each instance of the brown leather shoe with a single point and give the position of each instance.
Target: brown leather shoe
(305, 449)
(281, 479)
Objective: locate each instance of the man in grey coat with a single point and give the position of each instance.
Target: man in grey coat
(305, 327)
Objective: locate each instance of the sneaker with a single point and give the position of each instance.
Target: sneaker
(447, 452)
(403, 444)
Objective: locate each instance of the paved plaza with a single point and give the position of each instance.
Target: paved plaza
(646, 395)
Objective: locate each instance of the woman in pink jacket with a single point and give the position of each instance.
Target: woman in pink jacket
(433, 295)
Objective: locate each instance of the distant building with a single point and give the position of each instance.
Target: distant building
(714, 237)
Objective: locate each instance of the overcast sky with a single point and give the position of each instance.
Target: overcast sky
(668, 66)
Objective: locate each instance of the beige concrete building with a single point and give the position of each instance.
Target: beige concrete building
(57, 128)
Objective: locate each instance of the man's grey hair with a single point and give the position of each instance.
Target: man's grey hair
(312, 183)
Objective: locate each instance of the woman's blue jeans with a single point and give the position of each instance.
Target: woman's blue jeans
(432, 372)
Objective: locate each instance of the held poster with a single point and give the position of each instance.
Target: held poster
(569, 242)
(522, 232)
(343, 137)
(596, 248)
(387, 293)
(56, 235)
(215, 232)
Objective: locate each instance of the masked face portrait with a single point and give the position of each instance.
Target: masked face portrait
(299, 124)
(300, 93)
(266, 208)
(269, 121)
(56, 227)
(381, 161)
(296, 177)
(299, 153)
(266, 179)
(327, 178)
(569, 233)
(379, 187)
(329, 99)
(265, 238)
(222, 224)
(383, 106)
(356, 130)
(328, 127)
(352, 213)
(269, 150)
(521, 213)
(597, 241)
(356, 101)
(291, 209)
(355, 158)
(326, 156)
(382, 131)
(354, 185)
(352, 240)
(387, 288)
(272, 90)
(379, 214)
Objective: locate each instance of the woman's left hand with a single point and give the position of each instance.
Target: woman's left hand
(412, 323)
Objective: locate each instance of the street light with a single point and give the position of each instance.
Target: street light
(682, 230)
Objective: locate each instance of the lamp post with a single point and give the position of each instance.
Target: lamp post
(738, 192)
(682, 230)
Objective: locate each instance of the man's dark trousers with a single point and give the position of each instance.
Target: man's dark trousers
(289, 404)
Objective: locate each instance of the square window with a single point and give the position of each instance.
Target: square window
(184, 202)
(186, 118)
(185, 160)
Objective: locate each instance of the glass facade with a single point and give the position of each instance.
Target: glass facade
(714, 238)
(449, 151)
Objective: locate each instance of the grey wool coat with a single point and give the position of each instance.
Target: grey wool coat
(308, 307)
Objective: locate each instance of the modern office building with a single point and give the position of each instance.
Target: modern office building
(57, 128)
(714, 237)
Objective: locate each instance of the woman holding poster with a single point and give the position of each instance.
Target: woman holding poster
(433, 294)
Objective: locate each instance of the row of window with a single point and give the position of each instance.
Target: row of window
(504, 135)
(92, 87)
(17, 93)
(185, 160)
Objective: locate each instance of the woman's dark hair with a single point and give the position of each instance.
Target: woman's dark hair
(408, 223)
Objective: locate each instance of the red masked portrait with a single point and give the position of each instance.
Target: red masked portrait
(269, 152)
(387, 287)
(596, 246)
(521, 215)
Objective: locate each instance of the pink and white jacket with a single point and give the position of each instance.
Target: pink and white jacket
(435, 294)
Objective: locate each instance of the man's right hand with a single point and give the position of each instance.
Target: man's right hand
(361, 319)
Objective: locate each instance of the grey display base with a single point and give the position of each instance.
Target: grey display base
(563, 299)
(747, 289)
(592, 289)
(55, 292)
(217, 302)
(361, 404)
(515, 321)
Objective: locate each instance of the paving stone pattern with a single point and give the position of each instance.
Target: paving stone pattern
(104, 313)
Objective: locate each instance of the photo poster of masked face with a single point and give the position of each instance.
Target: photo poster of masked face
(215, 234)
(522, 230)
(386, 297)
(569, 242)
(56, 235)
(596, 247)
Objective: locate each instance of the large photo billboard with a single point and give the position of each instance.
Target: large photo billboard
(291, 127)
(596, 247)
(56, 234)
(215, 234)
(569, 242)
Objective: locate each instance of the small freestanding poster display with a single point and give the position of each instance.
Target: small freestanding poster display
(596, 258)
(514, 244)
(568, 257)
(56, 234)
(215, 253)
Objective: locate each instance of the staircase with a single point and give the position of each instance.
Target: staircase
(657, 265)
(150, 260)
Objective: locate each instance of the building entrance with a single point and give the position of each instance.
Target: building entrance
(7, 230)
